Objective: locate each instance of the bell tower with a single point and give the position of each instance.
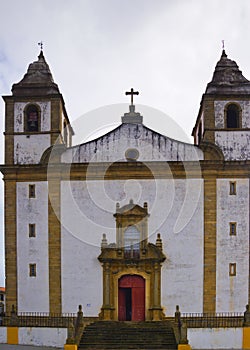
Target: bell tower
(35, 116)
(223, 118)
(35, 120)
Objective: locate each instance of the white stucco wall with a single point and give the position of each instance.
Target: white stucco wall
(235, 145)
(182, 272)
(232, 291)
(219, 107)
(33, 292)
(176, 211)
(151, 146)
(215, 338)
(55, 337)
(19, 107)
(28, 149)
(3, 335)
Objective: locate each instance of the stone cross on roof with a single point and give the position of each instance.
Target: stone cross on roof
(132, 93)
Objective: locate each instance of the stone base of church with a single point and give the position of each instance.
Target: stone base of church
(157, 314)
(107, 314)
(70, 347)
(246, 338)
(12, 335)
(184, 347)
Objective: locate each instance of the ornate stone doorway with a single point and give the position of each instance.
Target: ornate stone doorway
(131, 298)
(131, 269)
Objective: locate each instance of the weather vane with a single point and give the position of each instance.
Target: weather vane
(132, 93)
(41, 45)
(223, 44)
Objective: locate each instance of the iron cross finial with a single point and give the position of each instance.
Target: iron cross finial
(41, 45)
(132, 93)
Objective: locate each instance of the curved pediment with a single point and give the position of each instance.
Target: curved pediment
(132, 142)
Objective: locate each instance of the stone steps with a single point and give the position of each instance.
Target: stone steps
(128, 335)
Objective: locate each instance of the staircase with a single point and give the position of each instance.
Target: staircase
(128, 335)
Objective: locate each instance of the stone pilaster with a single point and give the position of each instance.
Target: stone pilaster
(10, 245)
(209, 287)
(55, 303)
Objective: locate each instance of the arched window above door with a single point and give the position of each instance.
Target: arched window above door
(132, 242)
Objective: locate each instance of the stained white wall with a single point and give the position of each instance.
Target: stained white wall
(29, 149)
(182, 272)
(54, 337)
(3, 335)
(232, 291)
(215, 338)
(219, 107)
(151, 146)
(19, 107)
(176, 211)
(235, 145)
(33, 292)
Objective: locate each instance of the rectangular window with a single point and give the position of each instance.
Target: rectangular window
(32, 268)
(32, 191)
(232, 228)
(232, 269)
(32, 230)
(232, 187)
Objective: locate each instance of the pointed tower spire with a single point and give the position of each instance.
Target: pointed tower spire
(227, 78)
(223, 55)
(38, 80)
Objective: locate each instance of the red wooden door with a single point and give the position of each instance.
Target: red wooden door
(122, 304)
(131, 298)
(138, 303)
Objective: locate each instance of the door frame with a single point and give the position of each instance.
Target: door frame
(135, 284)
(146, 277)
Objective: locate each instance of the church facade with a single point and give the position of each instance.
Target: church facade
(132, 223)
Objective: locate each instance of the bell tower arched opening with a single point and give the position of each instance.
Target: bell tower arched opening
(232, 116)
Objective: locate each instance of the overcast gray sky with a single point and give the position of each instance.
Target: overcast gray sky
(97, 49)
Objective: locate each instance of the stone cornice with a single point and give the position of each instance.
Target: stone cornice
(127, 170)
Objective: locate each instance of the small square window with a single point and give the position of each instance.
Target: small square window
(32, 191)
(232, 228)
(232, 269)
(32, 230)
(32, 268)
(232, 187)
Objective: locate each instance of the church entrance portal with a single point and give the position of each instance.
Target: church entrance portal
(131, 298)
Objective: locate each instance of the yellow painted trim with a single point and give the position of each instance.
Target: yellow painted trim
(70, 347)
(246, 338)
(12, 335)
(184, 347)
